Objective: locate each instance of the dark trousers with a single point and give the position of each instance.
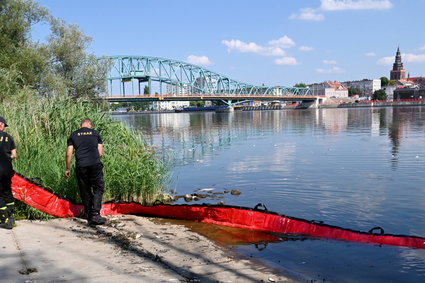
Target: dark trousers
(6, 188)
(91, 184)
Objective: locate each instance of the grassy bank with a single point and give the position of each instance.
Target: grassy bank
(41, 127)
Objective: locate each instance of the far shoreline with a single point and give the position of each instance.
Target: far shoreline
(337, 103)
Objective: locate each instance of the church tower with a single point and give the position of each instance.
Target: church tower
(397, 73)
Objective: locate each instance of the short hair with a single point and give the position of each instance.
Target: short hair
(86, 120)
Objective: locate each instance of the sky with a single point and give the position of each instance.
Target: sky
(270, 42)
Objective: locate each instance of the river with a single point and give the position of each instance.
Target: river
(354, 168)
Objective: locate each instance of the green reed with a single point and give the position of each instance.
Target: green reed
(41, 127)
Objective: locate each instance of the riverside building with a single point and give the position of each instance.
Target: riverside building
(329, 89)
(366, 86)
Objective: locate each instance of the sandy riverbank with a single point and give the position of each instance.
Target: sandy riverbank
(128, 249)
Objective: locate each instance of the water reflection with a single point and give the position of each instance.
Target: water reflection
(200, 134)
(354, 168)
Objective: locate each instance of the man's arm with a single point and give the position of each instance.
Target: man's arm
(13, 154)
(68, 159)
(100, 149)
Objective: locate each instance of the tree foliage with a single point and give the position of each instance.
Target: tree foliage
(300, 85)
(384, 81)
(21, 61)
(379, 95)
(354, 91)
(60, 66)
(146, 90)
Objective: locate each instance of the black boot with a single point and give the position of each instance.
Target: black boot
(10, 210)
(4, 218)
(96, 219)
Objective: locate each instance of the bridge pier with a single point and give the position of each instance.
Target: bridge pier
(309, 104)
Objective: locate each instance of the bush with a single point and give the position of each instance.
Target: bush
(379, 95)
(41, 127)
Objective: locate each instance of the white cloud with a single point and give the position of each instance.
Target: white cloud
(241, 46)
(422, 48)
(308, 14)
(275, 47)
(306, 48)
(311, 14)
(283, 42)
(413, 58)
(330, 71)
(330, 62)
(405, 58)
(370, 54)
(386, 60)
(286, 61)
(338, 5)
(198, 60)
(251, 47)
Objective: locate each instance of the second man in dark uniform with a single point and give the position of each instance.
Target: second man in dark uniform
(88, 147)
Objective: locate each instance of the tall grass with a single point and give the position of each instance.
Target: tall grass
(41, 127)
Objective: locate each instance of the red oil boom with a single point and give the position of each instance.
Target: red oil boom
(257, 219)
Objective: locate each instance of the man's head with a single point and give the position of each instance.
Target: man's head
(3, 123)
(86, 123)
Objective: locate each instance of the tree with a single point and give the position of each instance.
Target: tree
(197, 103)
(384, 81)
(146, 90)
(21, 61)
(60, 66)
(300, 85)
(84, 75)
(16, 19)
(379, 95)
(354, 91)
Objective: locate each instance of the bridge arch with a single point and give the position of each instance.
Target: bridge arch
(177, 77)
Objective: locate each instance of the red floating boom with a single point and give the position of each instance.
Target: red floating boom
(242, 217)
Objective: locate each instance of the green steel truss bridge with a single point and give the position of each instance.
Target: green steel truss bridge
(173, 80)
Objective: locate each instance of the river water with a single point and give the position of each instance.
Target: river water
(354, 168)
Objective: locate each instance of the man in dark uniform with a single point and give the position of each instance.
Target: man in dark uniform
(7, 153)
(88, 147)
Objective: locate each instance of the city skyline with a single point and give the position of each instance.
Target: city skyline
(272, 42)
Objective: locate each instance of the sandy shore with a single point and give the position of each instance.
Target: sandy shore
(128, 249)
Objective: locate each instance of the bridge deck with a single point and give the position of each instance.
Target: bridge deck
(197, 97)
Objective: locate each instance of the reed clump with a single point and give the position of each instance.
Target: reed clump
(41, 126)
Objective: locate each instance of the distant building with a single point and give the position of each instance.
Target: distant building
(409, 93)
(406, 83)
(397, 73)
(206, 85)
(389, 90)
(329, 89)
(169, 105)
(178, 90)
(367, 87)
(395, 91)
(417, 80)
